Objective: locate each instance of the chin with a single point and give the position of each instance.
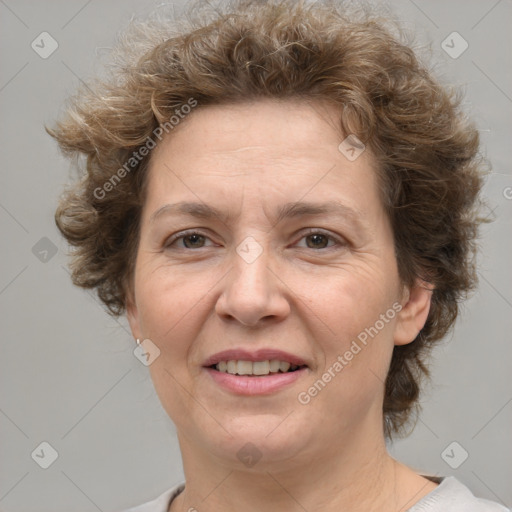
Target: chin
(265, 438)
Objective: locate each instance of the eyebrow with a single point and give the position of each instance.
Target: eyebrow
(286, 211)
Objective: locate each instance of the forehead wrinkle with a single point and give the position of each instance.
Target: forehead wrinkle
(289, 210)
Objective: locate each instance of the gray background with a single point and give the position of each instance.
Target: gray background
(68, 373)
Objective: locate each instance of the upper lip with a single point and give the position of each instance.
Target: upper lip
(262, 354)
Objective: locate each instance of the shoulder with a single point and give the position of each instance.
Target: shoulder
(160, 504)
(451, 495)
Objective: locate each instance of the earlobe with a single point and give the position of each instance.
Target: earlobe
(132, 315)
(414, 313)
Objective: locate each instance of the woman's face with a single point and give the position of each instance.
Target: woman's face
(320, 286)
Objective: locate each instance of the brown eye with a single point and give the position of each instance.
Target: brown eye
(190, 240)
(316, 239)
(194, 241)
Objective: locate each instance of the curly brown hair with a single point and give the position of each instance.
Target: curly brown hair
(429, 165)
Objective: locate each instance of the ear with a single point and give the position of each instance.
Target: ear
(132, 315)
(414, 312)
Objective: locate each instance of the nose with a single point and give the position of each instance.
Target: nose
(253, 293)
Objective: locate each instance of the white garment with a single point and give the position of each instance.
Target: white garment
(450, 495)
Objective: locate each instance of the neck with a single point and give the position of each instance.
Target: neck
(357, 476)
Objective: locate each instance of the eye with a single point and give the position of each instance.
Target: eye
(316, 239)
(191, 240)
(319, 239)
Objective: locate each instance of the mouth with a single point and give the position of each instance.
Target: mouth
(255, 368)
(263, 372)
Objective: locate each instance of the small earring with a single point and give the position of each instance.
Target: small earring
(138, 341)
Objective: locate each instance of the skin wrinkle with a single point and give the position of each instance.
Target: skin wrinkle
(285, 299)
(185, 81)
(431, 170)
(290, 210)
(355, 241)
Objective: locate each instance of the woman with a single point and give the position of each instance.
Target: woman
(284, 203)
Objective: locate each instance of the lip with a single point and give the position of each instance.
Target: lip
(258, 385)
(257, 355)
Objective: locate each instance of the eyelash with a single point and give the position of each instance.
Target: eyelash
(312, 231)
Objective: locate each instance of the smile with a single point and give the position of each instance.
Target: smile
(255, 368)
(253, 384)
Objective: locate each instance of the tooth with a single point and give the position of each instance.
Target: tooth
(284, 366)
(274, 365)
(260, 367)
(244, 368)
(235, 367)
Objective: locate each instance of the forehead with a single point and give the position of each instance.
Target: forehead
(260, 152)
(273, 127)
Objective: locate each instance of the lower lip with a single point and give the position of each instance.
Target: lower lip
(262, 385)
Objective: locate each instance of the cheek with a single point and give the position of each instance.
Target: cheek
(165, 298)
(348, 298)
(356, 348)
(350, 315)
(171, 309)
